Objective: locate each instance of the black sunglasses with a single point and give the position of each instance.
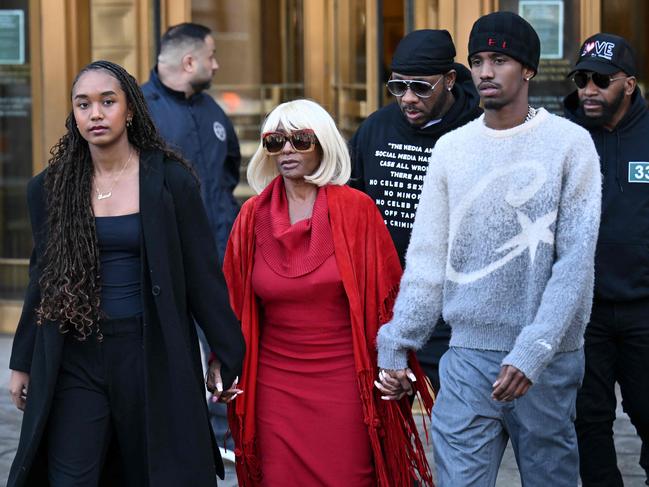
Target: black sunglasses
(301, 140)
(423, 89)
(603, 81)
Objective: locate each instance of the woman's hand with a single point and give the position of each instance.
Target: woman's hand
(18, 384)
(230, 394)
(214, 384)
(395, 383)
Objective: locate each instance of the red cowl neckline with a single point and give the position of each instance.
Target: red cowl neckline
(292, 250)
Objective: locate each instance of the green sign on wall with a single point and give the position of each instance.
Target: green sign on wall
(12, 37)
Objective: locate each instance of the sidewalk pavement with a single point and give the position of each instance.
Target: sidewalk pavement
(626, 440)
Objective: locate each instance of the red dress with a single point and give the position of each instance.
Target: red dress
(308, 409)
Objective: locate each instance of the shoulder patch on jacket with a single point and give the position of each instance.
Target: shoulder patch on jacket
(219, 131)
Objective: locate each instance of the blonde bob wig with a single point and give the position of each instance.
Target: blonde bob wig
(335, 165)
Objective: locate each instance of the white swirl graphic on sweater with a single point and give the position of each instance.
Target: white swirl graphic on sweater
(532, 232)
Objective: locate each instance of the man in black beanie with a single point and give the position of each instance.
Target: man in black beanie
(502, 246)
(391, 149)
(609, 104)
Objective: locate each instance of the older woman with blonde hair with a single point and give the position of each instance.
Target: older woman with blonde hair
(312, 274)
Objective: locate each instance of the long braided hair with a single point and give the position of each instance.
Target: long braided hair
(70, 280)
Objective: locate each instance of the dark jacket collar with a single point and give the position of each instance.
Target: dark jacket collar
(154, 78)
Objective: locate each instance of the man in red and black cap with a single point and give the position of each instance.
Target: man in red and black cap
(503, 247)
(390, 151)
(609, 104)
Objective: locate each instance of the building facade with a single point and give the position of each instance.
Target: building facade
(336, 52)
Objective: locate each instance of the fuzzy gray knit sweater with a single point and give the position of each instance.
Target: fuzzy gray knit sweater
(503, 244)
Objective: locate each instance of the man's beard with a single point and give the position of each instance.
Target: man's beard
(608, 111)
(199, 86)
(490, 104)
(429, 115)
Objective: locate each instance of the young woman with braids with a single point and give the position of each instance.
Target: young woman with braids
(105, 362)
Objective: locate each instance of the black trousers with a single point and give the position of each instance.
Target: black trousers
(99, 398)
(617, 350)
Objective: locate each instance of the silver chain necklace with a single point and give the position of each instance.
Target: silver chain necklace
(109, 193)
(531, 113)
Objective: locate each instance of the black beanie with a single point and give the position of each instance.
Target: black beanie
(508, 33)
(424, 53)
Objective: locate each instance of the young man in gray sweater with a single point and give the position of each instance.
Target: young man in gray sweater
(502, 246)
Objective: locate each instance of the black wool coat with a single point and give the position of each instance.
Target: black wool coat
(181, 281)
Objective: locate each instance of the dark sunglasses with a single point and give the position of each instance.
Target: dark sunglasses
(301, 140)
(603, 81)
(423, 89)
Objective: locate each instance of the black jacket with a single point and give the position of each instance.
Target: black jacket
(622, 256)
(390, 157)
(198, 128)
(181, 279)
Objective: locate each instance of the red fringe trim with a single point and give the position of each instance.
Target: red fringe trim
(385, 310)
(246, 454)
(399, 456)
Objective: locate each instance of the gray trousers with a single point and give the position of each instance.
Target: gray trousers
(470, 430)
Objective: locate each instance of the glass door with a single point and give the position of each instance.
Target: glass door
(628, 18)
(350, 63)
(558, 24)
(259, 48)
(15, 147)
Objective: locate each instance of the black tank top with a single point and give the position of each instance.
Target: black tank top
(120, 272)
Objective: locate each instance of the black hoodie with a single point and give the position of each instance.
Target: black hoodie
(622, 256)
(390, 156)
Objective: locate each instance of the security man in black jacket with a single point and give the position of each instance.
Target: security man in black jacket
(193, 124)
(391, 149)
(608, 103)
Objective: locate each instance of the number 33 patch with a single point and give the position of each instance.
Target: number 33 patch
(638, 172)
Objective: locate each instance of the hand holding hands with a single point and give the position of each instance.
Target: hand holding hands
(510, 384)
(394, 384)
(18, 384)
(214, 384)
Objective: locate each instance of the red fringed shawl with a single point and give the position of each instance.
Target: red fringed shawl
(370, 272)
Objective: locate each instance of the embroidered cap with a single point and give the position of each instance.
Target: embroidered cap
(509, 34)
(606, 54)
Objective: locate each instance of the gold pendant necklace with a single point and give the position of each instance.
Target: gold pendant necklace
(109, 193)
